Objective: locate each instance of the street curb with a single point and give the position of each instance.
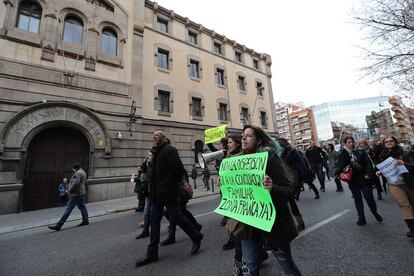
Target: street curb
(120, 209)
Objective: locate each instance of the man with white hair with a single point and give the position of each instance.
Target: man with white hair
(167, 172)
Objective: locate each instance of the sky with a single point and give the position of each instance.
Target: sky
(314, 44)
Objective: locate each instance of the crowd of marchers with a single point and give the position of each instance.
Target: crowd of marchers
(163, 189)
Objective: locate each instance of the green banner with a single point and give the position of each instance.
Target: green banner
(212, 135)
(243, 196)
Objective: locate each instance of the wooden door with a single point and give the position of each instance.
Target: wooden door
(50, 158)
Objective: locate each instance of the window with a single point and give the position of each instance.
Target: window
(245, 114)
(256, 64)
(240, 83)
(194, 69)
(217, 48)
(163, 59)
(196, 107)
(238, 56)
(220, 76)
(192, 37)
(109, 43)
(73, 30)
(260, 88)
(162, 25)
(223, 112)
(163, 101)
(29, 17)
(263, 118)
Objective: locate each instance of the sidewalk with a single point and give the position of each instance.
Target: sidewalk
(40, 218)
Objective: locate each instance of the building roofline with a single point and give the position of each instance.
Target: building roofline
(184, 20)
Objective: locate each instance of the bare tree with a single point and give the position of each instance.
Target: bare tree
(390, 49)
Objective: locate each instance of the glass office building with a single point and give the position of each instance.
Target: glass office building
(350, 112)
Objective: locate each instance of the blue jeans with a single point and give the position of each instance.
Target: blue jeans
(175, 216)
(74, 201)
(251, 253)
(195, 183)
(358, 190)
(283, 255)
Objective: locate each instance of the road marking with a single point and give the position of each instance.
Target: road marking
(205, 214)
(322, 223)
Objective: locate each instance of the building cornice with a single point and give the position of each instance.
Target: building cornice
(185, 21)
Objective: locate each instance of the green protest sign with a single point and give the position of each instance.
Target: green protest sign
(212, 135)
(243, 196)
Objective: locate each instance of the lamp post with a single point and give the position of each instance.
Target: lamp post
(259, 91)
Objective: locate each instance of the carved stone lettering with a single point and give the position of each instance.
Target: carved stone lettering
(38, 117)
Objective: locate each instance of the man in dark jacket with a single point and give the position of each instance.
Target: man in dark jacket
(167, 172)
(317, 157)
(77, 192)
(194, 176)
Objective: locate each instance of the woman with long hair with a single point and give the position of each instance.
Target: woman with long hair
(362, 170)
(403, 188)
(279, 185)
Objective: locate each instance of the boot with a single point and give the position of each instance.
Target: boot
(145, 232)
(300, 222)
(377, 217)
(229, 245)
(55, 227)
(410, 224)
(150, 257)
(196, 245)
(361, 221)
(171, 237)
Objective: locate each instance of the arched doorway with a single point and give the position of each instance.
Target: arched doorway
(50, 157)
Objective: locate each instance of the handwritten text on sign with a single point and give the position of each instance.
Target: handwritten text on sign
(391, 170)
(243, 196)
(212, 135)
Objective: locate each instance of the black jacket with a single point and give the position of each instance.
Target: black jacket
(360, 169)
(194, 173)
(316, 155)
(167, 171)
(296, 163)
(284, 229)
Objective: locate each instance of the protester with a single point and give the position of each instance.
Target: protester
(77, 193)
(222, 146)
(167, 172)
(206, 178)
(377, 149)
(296, 164)
(281, 189)
(333, 156)
(317, 157)
(139, 190)
(147, 171)
(403, 188)
(194, 176)
(182, 199)
(374, 181)
(63, 192)
(309, 177)
(359, 185)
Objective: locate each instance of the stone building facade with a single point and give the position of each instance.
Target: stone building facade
(90, 80)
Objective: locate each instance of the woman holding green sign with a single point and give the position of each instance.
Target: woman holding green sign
(279, 184)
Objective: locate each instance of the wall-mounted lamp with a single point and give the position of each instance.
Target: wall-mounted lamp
(119, 136)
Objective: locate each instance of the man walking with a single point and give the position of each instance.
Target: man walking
(317, 157)
(206, 178)
(77, 192)
(167, 172)
(194, 176)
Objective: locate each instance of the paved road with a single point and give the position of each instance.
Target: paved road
(332, 244)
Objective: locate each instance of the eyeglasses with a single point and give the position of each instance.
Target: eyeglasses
(389, 141)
